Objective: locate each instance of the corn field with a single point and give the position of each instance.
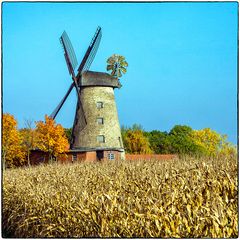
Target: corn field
(181, 198)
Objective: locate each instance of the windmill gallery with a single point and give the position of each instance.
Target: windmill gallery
(96, 133)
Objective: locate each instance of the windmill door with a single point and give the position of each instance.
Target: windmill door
(100, 155)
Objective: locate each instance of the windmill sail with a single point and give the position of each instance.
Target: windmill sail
(69, 53)
(79, 107)
(90, 53)
(71, 61)
(59, 106)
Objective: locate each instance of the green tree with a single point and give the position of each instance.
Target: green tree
(159, 142)
(117, 65)
(68, 133)
(181, 141)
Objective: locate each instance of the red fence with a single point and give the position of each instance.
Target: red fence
(150, 156)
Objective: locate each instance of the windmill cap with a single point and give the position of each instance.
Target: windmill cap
(90, 78)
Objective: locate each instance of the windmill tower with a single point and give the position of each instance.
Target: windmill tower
(96, 133)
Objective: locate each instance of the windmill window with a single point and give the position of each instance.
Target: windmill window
(74, 157)
(100, 121)
(100, 138)
(99, 105)
(111, 156)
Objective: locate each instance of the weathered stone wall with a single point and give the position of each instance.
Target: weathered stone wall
(110, 129)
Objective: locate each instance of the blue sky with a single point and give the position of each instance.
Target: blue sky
(182, 61)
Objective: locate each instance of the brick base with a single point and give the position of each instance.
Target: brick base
(37, 156)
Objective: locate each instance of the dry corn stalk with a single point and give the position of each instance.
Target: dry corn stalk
(179, 198)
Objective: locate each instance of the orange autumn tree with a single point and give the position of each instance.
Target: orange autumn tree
(51, 138)
(12, 151)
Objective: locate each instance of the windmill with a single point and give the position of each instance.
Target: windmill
(96, 130)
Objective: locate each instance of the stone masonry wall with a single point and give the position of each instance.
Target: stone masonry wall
(110, 129)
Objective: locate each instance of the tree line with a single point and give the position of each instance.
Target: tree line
(18, 143)
(181, 139)
(53, 139)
